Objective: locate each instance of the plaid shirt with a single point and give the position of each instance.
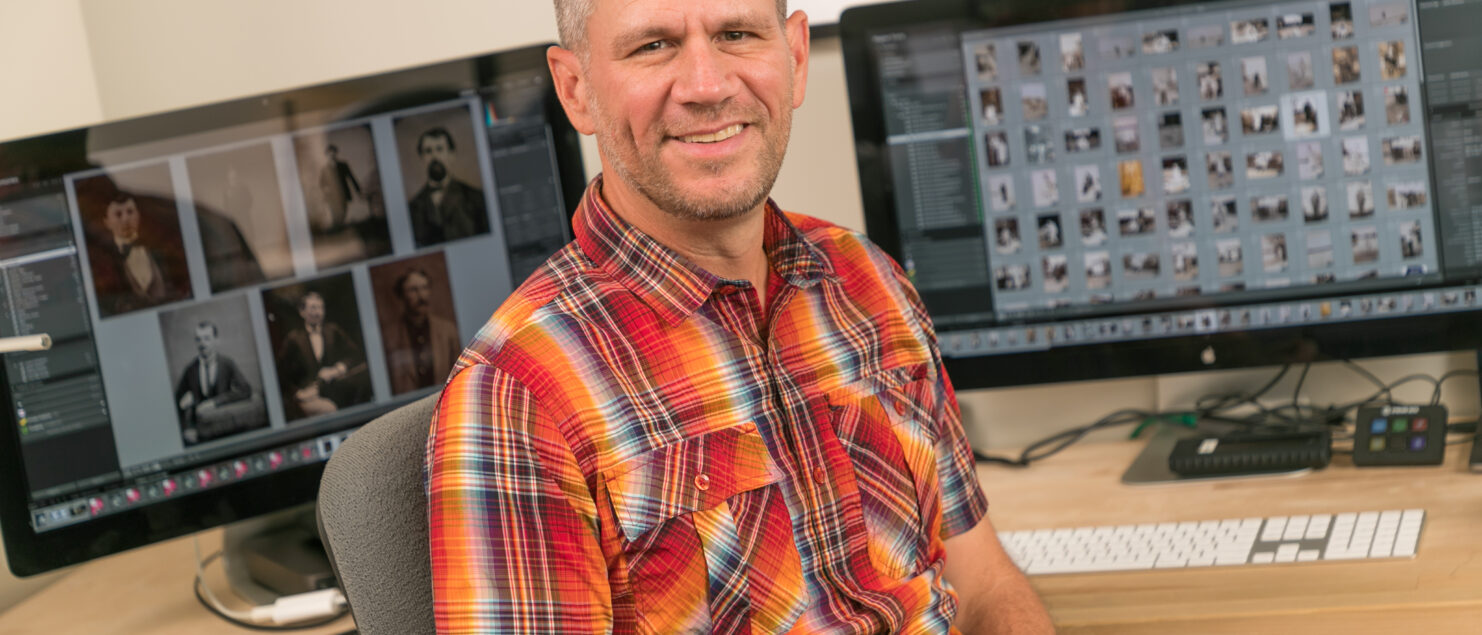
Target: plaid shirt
(630, 445)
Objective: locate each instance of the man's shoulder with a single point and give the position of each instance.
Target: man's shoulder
(554, 295)
(842, 247)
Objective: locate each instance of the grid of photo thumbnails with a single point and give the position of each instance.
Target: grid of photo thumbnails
(1257, 147)
(202, 240)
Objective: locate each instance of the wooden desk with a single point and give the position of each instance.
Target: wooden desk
(1439, 591)
(139, 592)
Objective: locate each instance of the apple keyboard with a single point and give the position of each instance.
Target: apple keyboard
(1393, 533)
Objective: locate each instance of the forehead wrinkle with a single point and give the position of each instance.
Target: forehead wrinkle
(647, 26)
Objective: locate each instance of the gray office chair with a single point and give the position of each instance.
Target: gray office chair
(372, 517)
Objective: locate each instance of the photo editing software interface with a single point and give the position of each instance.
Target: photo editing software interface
(224, 304)
(1187, 170)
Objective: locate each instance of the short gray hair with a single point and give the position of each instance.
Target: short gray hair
(571, 21)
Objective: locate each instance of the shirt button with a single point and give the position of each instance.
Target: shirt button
(702, 482)
(819, 476)
(900, 407)
(747, 427)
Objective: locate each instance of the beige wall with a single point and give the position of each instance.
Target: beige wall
(112, 59)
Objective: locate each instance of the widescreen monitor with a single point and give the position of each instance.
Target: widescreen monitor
(1110, 188)
(231, 289)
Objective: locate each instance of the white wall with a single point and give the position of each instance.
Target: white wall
(112, 59)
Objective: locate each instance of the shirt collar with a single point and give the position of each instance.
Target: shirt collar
(667, 281)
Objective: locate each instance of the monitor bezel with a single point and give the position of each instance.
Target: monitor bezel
(1128, 358)
(31, 553)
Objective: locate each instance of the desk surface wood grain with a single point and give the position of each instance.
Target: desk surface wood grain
(1439, 591)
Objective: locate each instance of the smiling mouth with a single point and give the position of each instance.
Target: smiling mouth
(715, 137)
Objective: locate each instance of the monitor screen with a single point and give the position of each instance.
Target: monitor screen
(231, 289)
(1100, 189)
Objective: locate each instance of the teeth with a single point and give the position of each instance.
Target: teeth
(714, 136)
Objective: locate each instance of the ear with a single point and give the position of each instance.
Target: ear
(571, 87)
(798, 45)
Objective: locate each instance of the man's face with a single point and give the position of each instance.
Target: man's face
(691, 102)
(205, 341)
(416, 295)
(312, 311)
(122, 219)
(437, 157)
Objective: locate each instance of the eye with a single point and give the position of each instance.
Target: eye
(651, 46)
(733, 36)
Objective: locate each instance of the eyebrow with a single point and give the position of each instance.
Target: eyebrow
(649, 32)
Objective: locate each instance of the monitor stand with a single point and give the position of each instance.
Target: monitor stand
(1151, 465)
(275, 555)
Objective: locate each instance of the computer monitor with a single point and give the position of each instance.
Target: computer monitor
(232, 289)
(1084, 190)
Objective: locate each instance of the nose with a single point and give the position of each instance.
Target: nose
(705, 75)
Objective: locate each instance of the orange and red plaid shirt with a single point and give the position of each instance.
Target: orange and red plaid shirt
(631, 445)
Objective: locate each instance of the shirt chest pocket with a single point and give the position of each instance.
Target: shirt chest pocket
(707, 535)
(889, 434)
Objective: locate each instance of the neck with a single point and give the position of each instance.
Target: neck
(731, 248)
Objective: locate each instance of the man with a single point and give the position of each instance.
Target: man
(420, 347)
(322, 367)
(705, 414)
(210, 381)
(445, 208)
(128, 272)
(337, 187)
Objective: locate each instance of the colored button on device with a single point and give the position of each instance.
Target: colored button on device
(1420, 424)
(1399, 424)
(1376, 444)
(1379, 426)
(1417, 442)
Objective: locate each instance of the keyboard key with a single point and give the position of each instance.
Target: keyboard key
(1307, 555)
(1274, 528)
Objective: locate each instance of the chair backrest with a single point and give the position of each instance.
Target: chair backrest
(372, 517)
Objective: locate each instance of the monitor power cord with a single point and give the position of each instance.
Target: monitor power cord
(287, 613)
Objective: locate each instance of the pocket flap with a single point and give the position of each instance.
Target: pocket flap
(694, 474)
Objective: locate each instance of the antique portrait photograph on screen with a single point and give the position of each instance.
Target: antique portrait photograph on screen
(1308, 114)
(1411, 245)
(1396, 105)
(992, 100)
(1294, 25)
(419, 328)
(1314, 204)
(1051, 234)
(1057, 273)
(239, 210)
(1125, 135)
(1401, 150)
(1254, 76)
(1072, 54)
(1206, 36)
(343, 197)
(1319, 249)
(1165, 86)
(318, 346)
(1180, 218)
(1082, 139)
(1006, 237)
(1211, 82)
(1011, 277)
(1406, 194)
(1273, 253)
(1117, 47)
(131, 224)
(1039, 144)
(1215, 125)
(1389, 14)
(1230, 257)
(1346, 68)
(1355, 156)
(1170, 130)
(985, 56)
(1034, 102)
(998, 148)
(1220, 168)
(1340, 20)
(211, 351)
(1350, 110)
(1098, 269)
(1029, 58)
(1001, 193)
(1087, 183)
(441, 176)
(1093, 227)
(1223, 215)
(1160, 41)
(1309, 160)
(1120, 91)
(1046, 187)
(1360, 199)
(1249, 31)
(1391, 60)
(1299, 73)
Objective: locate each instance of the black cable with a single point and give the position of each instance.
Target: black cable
(1214, 407)
(196, 588)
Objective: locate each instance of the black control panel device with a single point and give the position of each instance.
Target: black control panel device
(1250, 453)
(1400, 435)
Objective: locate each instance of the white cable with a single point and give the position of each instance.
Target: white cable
(288, 609)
